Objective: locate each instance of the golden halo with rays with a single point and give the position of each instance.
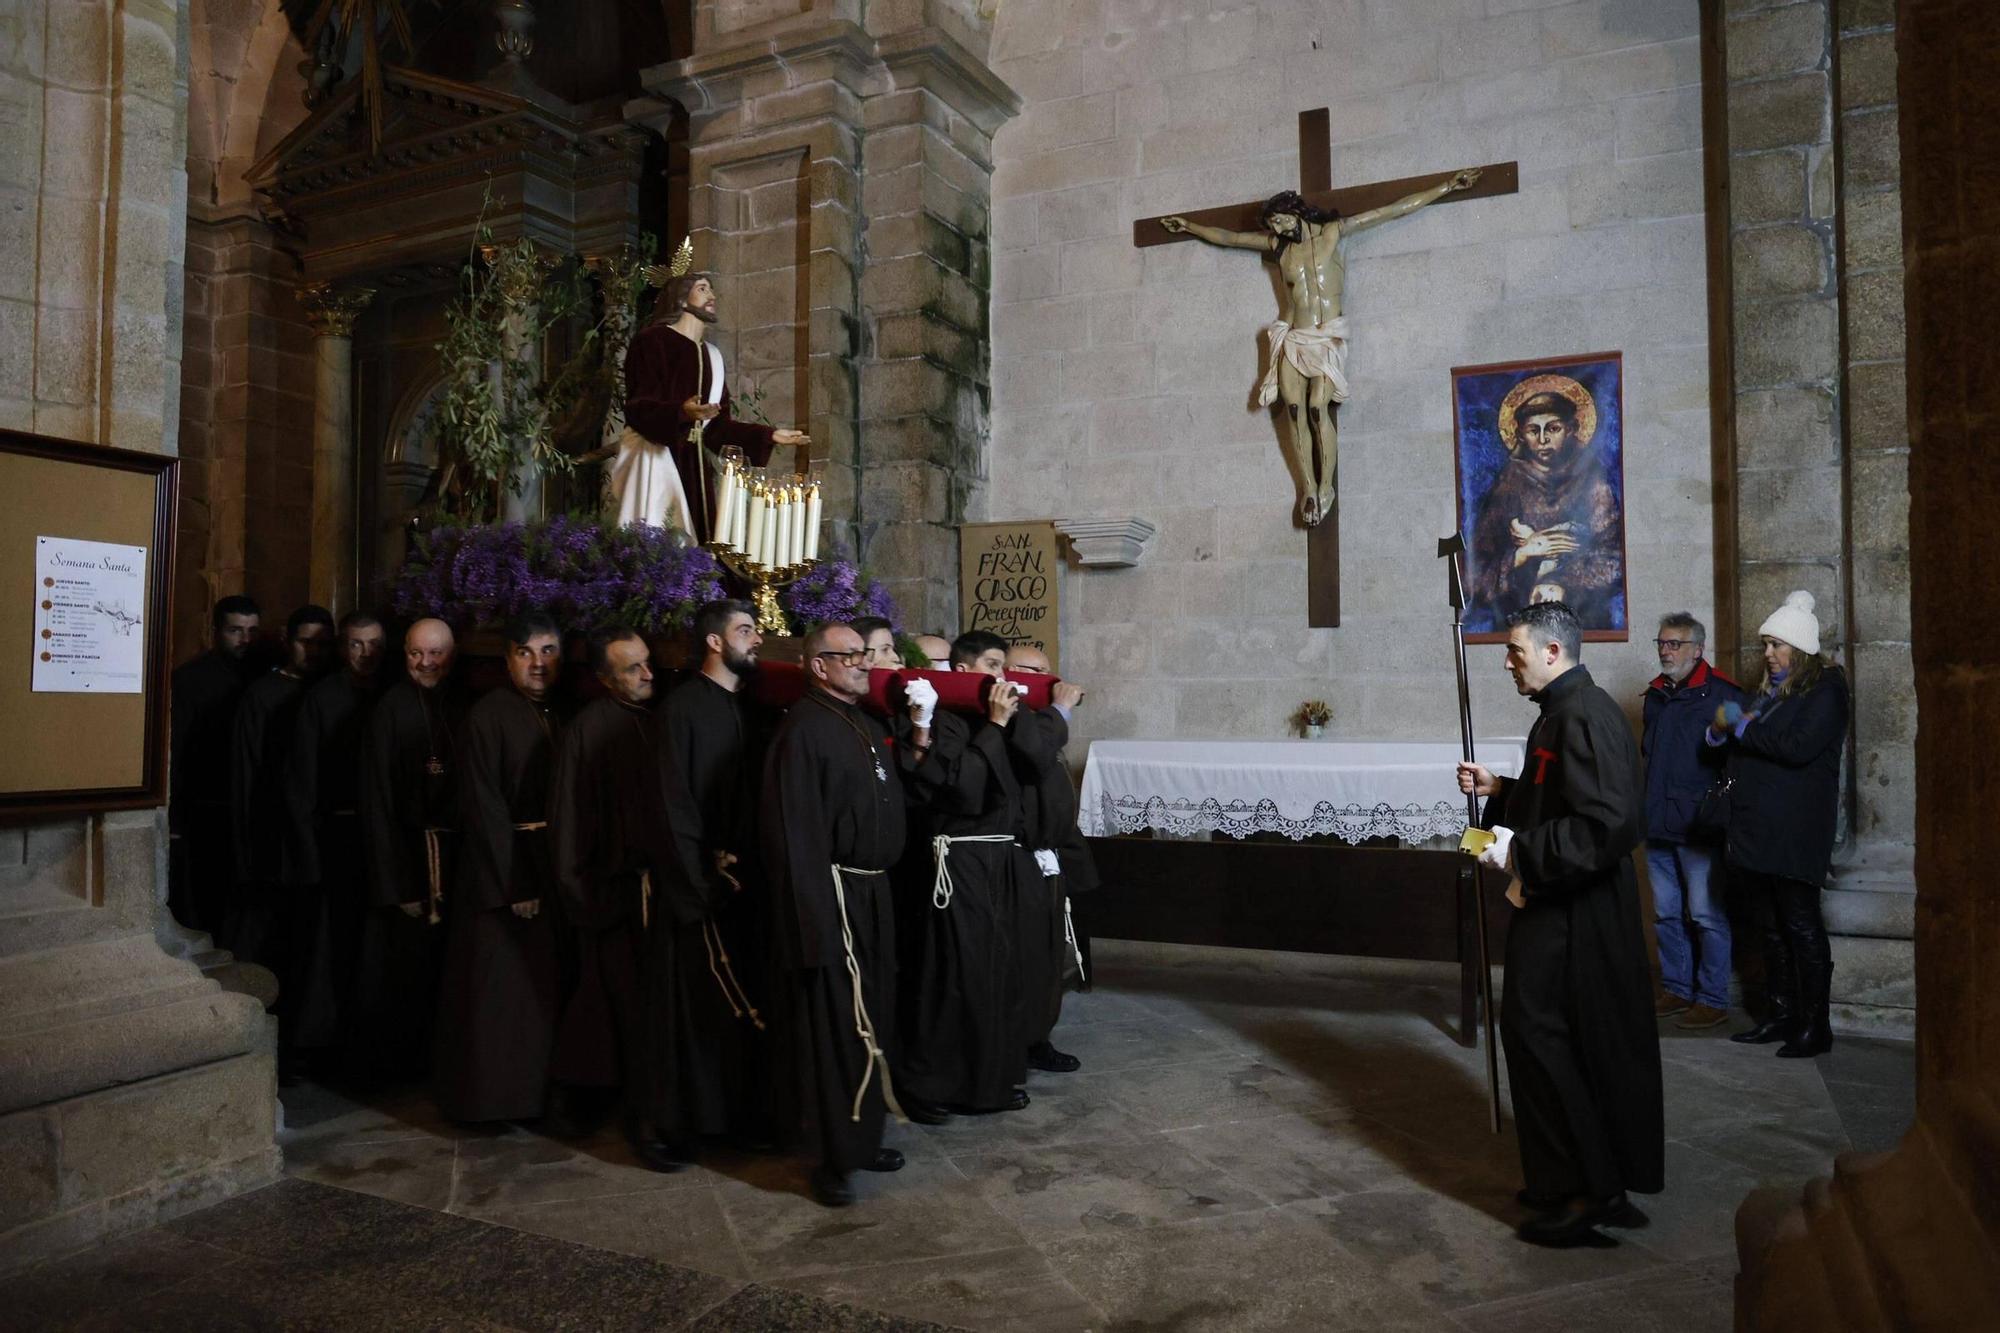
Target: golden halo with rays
(659, 275)
(1586, 406)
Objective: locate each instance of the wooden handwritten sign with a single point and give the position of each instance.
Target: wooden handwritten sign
(1007, 578)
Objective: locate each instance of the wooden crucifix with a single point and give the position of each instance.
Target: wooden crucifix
(1307, 373)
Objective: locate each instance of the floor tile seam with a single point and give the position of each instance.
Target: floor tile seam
(782, 1279)
(679, 1264)
(958, 1158)
(1528, 1300)
(457, 1170)
(684, 1187)
(741, 1285)
(729, 1223)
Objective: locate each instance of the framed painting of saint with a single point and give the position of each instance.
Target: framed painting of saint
(1540, 448)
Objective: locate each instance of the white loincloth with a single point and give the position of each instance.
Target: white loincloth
(1319, 353)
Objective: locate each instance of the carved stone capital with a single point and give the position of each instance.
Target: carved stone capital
(332, 309)
(519, 270)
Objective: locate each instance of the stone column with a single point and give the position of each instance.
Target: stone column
(838, 185)
(1907, 1239)
(1819, 443)
(333, 311)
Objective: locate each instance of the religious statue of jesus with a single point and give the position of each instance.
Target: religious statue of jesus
(678, 415)
(1308, 369)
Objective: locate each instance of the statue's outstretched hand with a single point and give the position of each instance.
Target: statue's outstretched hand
(1175, 224)
(793, 438)
(1465, 179)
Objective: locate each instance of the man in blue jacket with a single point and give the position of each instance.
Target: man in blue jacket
(1694, 969)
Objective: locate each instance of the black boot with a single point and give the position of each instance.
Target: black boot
(1781, 984)
(1814, 1034)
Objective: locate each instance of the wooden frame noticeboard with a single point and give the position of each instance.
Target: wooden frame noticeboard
(71, 753)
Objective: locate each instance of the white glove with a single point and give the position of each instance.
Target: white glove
(1500, 852)
(1045, 857)
(922, 697)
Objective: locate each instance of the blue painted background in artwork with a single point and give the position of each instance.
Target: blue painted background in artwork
(1481, 455)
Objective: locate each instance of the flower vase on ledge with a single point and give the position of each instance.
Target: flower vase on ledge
(1314, 731)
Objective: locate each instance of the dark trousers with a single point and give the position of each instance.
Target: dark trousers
(1786, 918)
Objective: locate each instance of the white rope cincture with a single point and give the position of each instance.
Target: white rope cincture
(434, 865)
(864, 1028)
(711, 940)
(1069, 933)
(940, 849)
(645, 899)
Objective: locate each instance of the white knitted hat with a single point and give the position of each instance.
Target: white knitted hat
(1794, 622)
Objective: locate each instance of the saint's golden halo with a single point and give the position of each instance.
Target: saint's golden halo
(659, 275)
(1586, 406)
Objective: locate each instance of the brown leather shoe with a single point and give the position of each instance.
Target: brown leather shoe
(1667, 1004)
(1703, 1016)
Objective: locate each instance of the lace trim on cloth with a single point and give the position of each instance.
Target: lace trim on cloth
(1182, 818)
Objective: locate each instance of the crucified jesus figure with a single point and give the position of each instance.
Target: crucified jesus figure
(1308, 370)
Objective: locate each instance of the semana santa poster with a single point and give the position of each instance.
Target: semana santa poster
(90, 632)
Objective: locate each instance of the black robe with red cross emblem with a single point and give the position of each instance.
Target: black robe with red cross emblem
(1583, 1047)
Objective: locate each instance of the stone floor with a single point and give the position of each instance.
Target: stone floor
(1254, 1143)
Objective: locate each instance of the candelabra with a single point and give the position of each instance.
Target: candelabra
(766, 532)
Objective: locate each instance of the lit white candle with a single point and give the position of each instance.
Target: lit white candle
(725, 506)
(812, 522)
(757, 524)
(784, 529)
(798, 523)
(741, 532)
(772, 526)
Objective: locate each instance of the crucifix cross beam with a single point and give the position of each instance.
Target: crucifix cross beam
(1316, 185)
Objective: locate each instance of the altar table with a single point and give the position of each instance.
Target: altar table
(1341, 847)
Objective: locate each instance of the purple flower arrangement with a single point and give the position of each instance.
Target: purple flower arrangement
(837, 589)
(470, 574)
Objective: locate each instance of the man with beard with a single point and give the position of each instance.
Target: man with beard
(205, 692)
(1048, 941)
(834, 825)
(706, 983)
(256, 927)
(409, 823)
(498, 993)
(1583, 1054)
(1548, 530)
(966, 1031)
(678, 417)
(607, 814)
(323, 860)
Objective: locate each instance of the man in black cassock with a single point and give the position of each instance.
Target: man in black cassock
(323, 858)
(499, 989)
(833, 826)
(706, 985)
(202, 727)
(1583, 1050)
(1050, 950)
(257, 924)
(409, 830)
(608, 822)
(964, 1038)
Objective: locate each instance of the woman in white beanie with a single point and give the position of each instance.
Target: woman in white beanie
(1784, 789)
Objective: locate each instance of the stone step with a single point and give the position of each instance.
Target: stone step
(53, 988)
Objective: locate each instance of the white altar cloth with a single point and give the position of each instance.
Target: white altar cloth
(1353, 790)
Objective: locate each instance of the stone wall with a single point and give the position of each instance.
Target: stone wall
(131, 1087)
(1123, 378)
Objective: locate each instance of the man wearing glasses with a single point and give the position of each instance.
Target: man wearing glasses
(833, 827)
(1694, 966)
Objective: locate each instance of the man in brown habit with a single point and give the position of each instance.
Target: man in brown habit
(706, 985)
(1583, 1049)
(323, 859)
(409, 828)
(965, 1034)
(1049, 945)
(608, 819)
(833, 826)
(206, 691)
(256, 927)
(498, 994)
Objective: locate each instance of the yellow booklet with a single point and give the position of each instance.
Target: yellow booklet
(1475, 841)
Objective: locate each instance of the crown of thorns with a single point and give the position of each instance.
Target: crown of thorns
(659, 275)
